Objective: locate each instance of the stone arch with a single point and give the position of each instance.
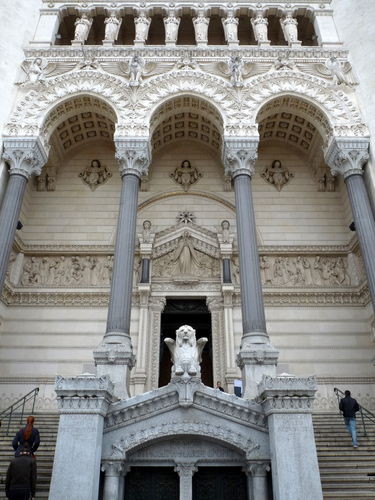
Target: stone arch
(31, 113)
(149, 435)
(160, 89)
(342, 113)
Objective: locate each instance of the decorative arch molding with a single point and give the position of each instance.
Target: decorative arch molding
(340, 109)
(148, 435)
(201, 194)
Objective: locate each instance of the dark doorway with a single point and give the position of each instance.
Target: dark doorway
(152, 483)
(178, 312)
(219, 483)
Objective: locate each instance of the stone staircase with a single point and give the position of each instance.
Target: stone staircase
(346, 472)
(47, 424)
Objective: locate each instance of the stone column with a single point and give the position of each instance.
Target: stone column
(257, 357)
(146, 240)
(347, 157)
(230, 366)
(114, 356)
(83, 403)
(201, 23)
(186, 470)
(140, 374)
(25, 157)
(230, 25)
(113, 475)
(171, 24)
(287, 402)
(157, 305)
(257, 480)
(124, 471)
(142, 25)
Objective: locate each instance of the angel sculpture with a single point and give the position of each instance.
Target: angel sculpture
(186, 352)
(136, 67)
(36, 71)
(340, 73)
(334, 67)
(237, 69)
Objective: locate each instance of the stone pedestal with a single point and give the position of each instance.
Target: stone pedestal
(287, 402)
(83, 403)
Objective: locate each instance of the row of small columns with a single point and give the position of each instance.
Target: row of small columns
(116, 470)
(201, 22)
(257, 357)
(324, 27)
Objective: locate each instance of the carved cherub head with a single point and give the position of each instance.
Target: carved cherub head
(185, 334)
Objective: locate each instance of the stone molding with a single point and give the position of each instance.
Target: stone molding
(240, 155)
(85, 394)
(25, 156)
(204, 429)
(347, 156)
(133, 155)
(287, 394)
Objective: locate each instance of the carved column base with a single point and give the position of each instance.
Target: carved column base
(77, 43)
(116, 361)
(255, 361)
(108, 43)
(264, 43)
(295, 45)
(287, 402)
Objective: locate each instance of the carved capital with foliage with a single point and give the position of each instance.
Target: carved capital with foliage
(25, 156)
(240, 155)
(133, 155)
(347, 156)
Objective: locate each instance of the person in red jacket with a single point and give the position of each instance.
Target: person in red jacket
(349, 408)
(27, 434)
(21, 475)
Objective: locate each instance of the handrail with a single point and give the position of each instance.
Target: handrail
(9, 413)
(365, 413)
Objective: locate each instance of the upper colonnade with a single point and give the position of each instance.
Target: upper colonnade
(187, 23)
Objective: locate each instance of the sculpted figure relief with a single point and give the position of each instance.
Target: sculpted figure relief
(185, 175)
(201, 27)
(136, 67)
(289, 26)
(142, 25)
(171, 24)
(277, 175)
(230, 25)
(260, 27)
(95, 175)
(186, 352)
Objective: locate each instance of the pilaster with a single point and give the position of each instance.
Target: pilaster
(83, 402)
(47, 27)
(287, 402)
(325, 28)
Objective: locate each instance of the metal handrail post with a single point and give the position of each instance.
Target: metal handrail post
(35, 394)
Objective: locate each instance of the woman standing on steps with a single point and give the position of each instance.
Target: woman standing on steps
(28, 435)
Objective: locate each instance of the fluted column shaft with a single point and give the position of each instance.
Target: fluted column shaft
(118, 319)
(25, 158)
(347, 156)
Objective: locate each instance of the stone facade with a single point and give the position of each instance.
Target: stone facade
(222, 132)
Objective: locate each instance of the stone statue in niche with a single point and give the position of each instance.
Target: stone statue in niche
(146, 232)
(95, 175)
(277, 175)
(112, 26)
(185, 175)
(186, 352)
(225, 234)
(82, 28)
(185, 256)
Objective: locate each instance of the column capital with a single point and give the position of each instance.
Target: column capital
(346, 156)
(113, 467)
(240, 155)
(258, 469)
(186, 469)
(86, 393)
(25, 155)
(133, 155)
(287, 394)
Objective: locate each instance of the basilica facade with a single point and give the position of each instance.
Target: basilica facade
(200, 164)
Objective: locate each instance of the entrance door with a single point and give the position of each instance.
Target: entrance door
(152, 483)
(219, 483)
(178, 312)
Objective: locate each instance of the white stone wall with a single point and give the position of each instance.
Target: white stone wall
(354, 20)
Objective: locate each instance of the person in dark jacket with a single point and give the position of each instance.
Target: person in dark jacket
(21, 476)
(28, 435)
(349, 408)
